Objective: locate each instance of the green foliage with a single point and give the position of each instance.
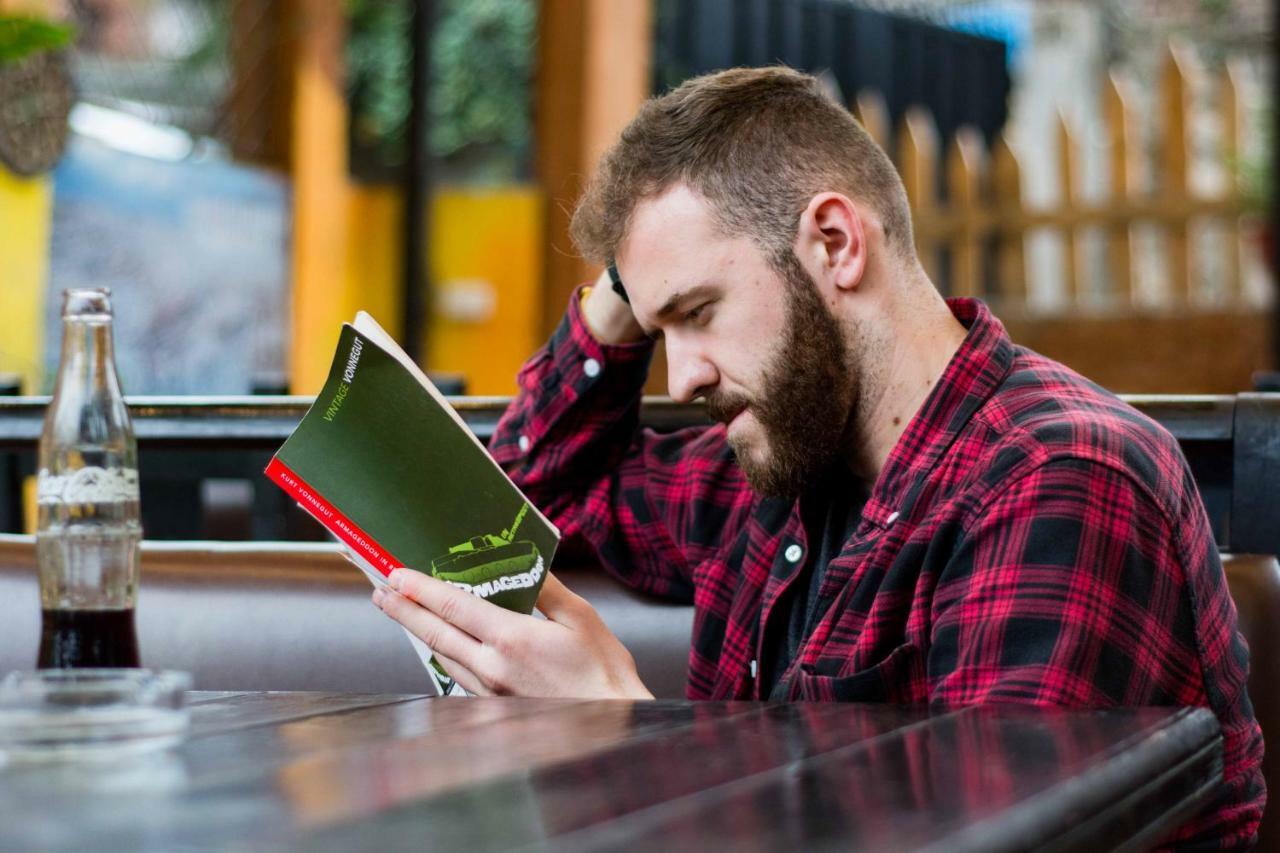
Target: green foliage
(21, 36)
(1215, 8)
(481, 68)
(1257, 173)
(378, 76)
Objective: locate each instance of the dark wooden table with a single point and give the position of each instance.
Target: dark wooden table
(314, 771)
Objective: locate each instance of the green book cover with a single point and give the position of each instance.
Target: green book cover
(385, 463)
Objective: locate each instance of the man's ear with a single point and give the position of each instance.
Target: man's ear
(831, 241)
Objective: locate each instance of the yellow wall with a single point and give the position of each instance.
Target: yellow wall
(320, 298)
(485, 250)
(374, 256)
(486, 263)
(25, 210)
(485, 258)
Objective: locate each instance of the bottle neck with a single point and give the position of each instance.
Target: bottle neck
(88, 355)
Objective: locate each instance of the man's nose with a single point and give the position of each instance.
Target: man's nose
(690, 373)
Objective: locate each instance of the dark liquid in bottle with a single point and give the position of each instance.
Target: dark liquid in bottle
(87, 638)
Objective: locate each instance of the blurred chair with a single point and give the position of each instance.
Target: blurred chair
(1254, 580)
(449, 384)
(1266, 381)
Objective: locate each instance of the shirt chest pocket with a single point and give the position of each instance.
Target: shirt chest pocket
(899, 678)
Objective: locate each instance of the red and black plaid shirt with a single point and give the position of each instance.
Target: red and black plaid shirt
(1030, 539)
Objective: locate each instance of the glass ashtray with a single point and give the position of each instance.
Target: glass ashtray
(90, 714)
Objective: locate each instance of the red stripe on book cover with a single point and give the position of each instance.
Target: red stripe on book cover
(328, 515)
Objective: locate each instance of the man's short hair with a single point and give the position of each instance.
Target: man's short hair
(758, 144)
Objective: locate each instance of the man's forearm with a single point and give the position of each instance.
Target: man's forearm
(571, 442)
(582, 380)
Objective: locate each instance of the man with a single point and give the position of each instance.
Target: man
(897, 505)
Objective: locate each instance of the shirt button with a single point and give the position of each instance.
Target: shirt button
(793, 553)
(524, 443)
(591, 367)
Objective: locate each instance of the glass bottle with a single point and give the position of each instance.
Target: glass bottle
(89, 527)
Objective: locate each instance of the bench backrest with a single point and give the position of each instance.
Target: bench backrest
(1254, 581)
(297, 616)
(202, 460)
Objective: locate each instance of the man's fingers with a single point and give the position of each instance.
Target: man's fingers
(463, 676)
(475, 616)
(442, 637)
(561, 604)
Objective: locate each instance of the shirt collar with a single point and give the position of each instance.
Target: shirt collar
(974, 373)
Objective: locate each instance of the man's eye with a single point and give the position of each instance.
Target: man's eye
(699, 315)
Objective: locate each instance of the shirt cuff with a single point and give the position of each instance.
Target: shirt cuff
(583, 338)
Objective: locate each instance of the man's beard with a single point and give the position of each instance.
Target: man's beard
(806, 400)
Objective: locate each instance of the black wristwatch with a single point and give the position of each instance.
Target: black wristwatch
(617, 284)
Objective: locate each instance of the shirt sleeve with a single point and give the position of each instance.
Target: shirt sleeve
(1071, 588)
(646, 506)
(1066, 589)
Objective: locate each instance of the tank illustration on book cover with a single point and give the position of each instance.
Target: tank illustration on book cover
(494, 566)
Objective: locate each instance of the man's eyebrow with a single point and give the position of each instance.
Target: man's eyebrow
(674, 303)
(683, 297)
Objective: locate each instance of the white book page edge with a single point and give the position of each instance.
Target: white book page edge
(420, 648)
(369, 327)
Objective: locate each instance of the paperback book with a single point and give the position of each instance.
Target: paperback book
(390, 469)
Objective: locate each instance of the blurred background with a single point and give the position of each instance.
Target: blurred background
(246, 174)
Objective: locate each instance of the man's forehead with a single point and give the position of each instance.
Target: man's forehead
(677, 219)
(672, 244)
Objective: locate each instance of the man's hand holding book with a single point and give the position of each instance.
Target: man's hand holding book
(493, 651)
